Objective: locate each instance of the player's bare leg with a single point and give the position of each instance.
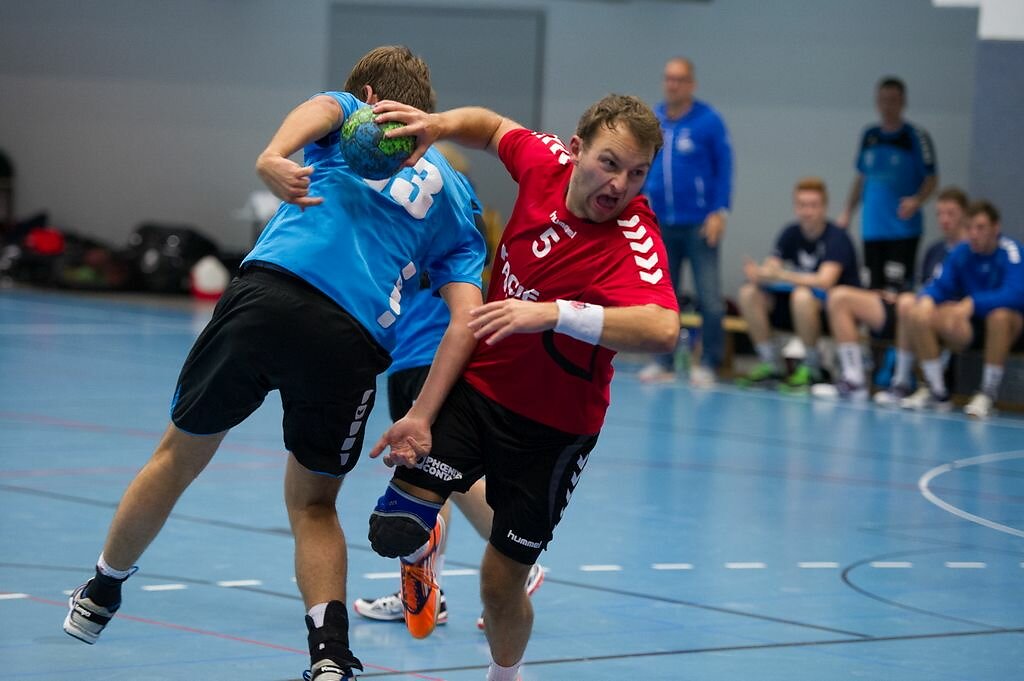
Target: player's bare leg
(507, 610)
(151, 496)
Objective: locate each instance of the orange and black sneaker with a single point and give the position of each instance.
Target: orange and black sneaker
(421, 592)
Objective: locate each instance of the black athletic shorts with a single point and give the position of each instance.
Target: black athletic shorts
(888, 330)
(891, 264)
(531, 469)
(404, 387)
(978, 336)
(781, 316)
(273, 331)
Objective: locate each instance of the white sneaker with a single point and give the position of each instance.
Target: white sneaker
(893, 396)
(702, 377)
(924, 399)
(533, 582)
(655, 373)
(390, 609)
(980, 406)
(840, 390)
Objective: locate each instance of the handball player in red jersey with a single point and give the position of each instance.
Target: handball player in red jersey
(580, 273)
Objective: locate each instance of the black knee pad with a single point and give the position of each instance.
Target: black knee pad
(393, 536)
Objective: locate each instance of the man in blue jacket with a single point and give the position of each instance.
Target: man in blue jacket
(978, 300)
(689, 187)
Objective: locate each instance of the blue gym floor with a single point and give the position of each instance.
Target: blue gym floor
(716, 534)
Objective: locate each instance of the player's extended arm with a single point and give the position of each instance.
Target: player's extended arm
(453, 352)
(470, 126)
(409, 438)
(639, 328)
(309, 121)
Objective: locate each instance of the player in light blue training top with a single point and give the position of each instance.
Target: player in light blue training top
(313, 313)
(896, 173)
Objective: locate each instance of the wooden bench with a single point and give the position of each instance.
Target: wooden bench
(731, 324)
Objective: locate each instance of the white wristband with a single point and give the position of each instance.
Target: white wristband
(581, 321)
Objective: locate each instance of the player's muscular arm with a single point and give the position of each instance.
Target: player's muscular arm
(453, 352)
(308, 122)
(642, 328)
(409, 438)
(470, 126)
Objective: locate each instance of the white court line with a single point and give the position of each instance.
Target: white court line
(231, 583)
(601, 568)
(926, 479)
(817, 565)
(164, 587)
(671, 566)
(966, 565)
(745, 566)
(11, 597)
(463, 572)
(892, 564)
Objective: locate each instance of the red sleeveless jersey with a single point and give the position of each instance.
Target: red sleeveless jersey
(547, 253)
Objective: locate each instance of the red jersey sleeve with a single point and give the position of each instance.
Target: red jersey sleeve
(522, 151)
(638, 272)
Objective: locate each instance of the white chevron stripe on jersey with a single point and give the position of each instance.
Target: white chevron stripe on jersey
(652, 278)
(646, 263)
(644, 246)
(638, 234)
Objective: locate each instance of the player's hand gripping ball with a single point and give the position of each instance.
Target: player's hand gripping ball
(367, 151)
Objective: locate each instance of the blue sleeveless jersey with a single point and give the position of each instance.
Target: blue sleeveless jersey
(368, 241)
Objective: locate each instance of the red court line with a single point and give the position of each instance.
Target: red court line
(132, 432)
(229, 637)
(131, 470)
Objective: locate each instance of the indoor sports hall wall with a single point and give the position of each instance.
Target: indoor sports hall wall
(131, 110)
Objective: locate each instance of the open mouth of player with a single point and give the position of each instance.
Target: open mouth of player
(606, 202)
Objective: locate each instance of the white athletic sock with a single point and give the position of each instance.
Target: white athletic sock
(852, 362)
(904, 365)
(991, 378)
(933, 373)
(101, 565)
(316, 613)
(766, 352)
(498, 673)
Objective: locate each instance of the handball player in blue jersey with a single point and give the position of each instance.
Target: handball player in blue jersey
(313, 313)
(896, 173)
(976, 301)
(886, 315)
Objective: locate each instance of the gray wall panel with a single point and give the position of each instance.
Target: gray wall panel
(127, 110)
(997, 131)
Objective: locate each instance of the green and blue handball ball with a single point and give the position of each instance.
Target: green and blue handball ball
(367, 151)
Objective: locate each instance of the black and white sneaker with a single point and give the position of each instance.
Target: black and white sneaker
(86, 618)
(329, 670)
(331, 659)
